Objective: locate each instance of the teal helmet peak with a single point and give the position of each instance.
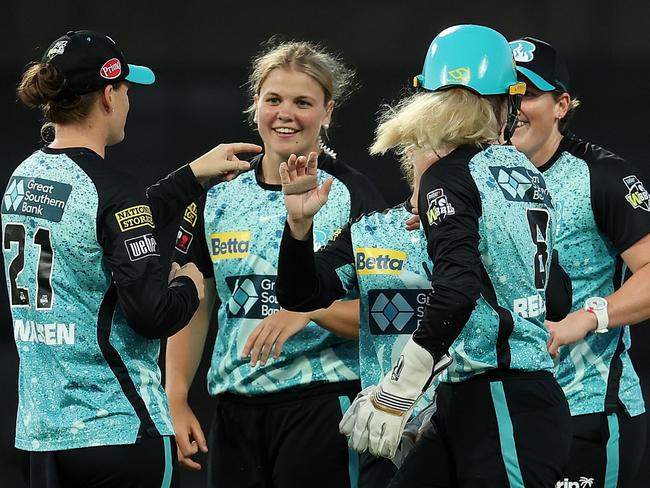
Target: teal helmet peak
(471, 56)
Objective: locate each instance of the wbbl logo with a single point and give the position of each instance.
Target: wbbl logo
(637, 195)
(439, 207)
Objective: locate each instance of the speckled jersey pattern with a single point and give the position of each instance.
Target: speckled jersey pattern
(69, 396)
(596, 373)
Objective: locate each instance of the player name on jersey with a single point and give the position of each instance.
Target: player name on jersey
(53, 334)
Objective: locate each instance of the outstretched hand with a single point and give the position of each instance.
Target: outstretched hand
(222, 162)
(302, 196)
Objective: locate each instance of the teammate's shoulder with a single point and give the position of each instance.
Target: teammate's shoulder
(398, 211)
(339, 169)
(589, 152)
(454, 165)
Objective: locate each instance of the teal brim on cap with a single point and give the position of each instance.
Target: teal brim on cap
(537, 80)
(140, 75)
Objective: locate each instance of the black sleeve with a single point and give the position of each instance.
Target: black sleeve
(191, 246)
(449, 207)
(559, 291)
(306, 280)
(619, 198)
(126, 231)
(364, 196)
(168, 197)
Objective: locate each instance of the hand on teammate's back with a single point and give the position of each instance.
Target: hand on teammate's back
(221, 162)
(191, 271)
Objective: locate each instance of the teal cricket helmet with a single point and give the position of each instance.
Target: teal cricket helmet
(471, 56)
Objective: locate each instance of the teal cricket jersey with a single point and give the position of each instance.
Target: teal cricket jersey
(88, 297)
(234, 235)
(489, 224)
(603, 209)
(376, 258)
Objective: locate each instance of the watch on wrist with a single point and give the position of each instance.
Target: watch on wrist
(598, 306)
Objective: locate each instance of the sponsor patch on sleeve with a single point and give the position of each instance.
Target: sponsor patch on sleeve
(190, 214)
(134, 217)
(183, 240)
(637, 195)
(439, 207)
(141, 247)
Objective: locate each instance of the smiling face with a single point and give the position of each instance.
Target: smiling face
(290, 111)
(538, 134)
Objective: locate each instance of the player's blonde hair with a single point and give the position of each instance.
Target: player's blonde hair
(336, 79)
(438, 121)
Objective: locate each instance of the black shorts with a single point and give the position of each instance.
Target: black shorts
(288, 439)
(606, 451)
(375, 472)
(149, 463)
(499, 429)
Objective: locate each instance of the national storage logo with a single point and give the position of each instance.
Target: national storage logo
(376, 260)
(229, 245)
(36, 197)
(134, 217)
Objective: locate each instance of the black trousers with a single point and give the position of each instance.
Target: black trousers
(289, 439)
(149, 463)
(499, 429)
(606, 451)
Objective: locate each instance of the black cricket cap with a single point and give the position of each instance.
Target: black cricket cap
(541, 64)
(89, 60)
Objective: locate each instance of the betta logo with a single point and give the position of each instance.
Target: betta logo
(111, 69)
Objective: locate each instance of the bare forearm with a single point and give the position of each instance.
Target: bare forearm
(341, 318)
(184, 349)
(630, 304)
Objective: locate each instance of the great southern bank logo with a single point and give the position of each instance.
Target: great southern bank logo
(36, 197)
(395, 311)
(252, 296)
(376, 260)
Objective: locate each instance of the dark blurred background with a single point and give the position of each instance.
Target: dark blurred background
(200, 51)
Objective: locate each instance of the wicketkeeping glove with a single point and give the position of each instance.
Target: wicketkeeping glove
(380, 418)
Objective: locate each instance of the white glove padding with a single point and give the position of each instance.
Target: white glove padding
(380, 421)
(350, 416)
